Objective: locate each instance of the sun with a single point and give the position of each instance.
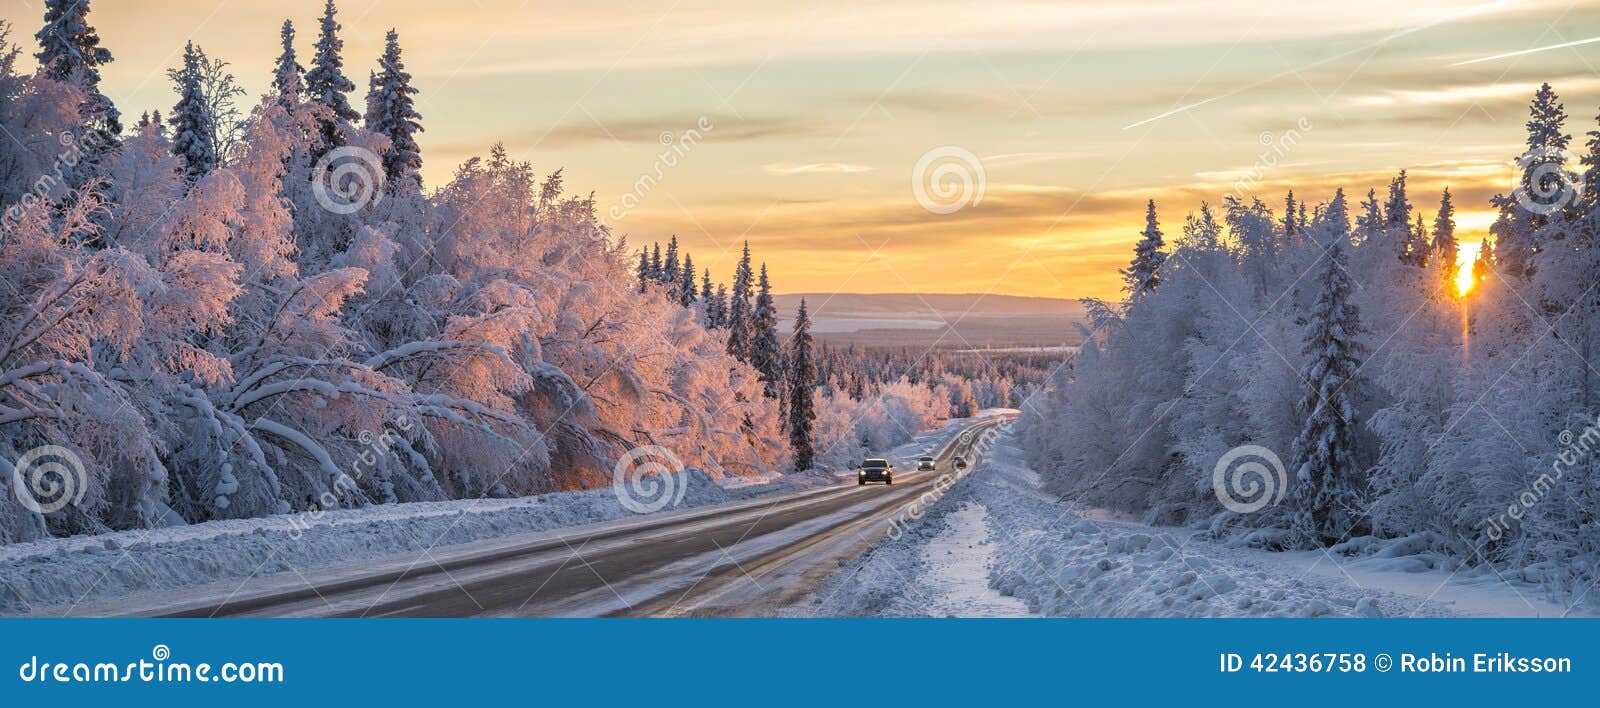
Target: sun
(1464, 260)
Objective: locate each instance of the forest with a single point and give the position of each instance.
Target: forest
(236, 310)
(1357, 382)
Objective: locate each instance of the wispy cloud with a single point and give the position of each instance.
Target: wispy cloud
(1467, 94)
(785, 169)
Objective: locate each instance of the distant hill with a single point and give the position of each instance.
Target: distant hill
(926, 319)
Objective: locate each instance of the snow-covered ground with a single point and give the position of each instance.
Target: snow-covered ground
(56, 575)
(1036, 556)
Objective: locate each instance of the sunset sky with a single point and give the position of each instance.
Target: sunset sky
(1078, 112)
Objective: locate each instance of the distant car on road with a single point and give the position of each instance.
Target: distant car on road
(875, 469)
(924, 463)
(961, 462)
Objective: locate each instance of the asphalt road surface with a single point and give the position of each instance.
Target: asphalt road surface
(750, 558)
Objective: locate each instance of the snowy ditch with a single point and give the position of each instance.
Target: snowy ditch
(995, 545)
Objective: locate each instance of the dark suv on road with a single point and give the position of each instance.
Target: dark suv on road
(875, 469)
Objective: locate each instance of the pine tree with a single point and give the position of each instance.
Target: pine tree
(1516, 228)
(192, 121)
(1444, 235)
(288, 78)
(739, 303)
(719, 304)
(1398, 226)
(1327, 504)
(764, 353)
(325, 81)
(70, 51)
(1289, 224)
(391, 111)
(802, 378)
(669, 266)
(655, 263)
(1419, 246)
(1143, 273)
(686, 291)
(1370, 224)
(644, 272)
(1483, 262)
(706, 295)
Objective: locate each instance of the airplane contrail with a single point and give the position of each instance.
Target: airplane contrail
(1534, 50)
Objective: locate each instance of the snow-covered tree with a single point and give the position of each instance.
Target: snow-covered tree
(669, 267)
(325, 82)
(1144, 272)
(740, 299)
(686, 287)
(193, 124)
(1328, 495)
(765, 355)
(1444, 236)
(802, 379)
(392, 113)
(288, 76)
(70, 52)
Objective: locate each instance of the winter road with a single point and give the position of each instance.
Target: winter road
(746, 558)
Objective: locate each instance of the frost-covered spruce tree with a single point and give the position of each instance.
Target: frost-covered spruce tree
(288, 77)
(1289, 222)
(802, 413)
(655, 262)
(1143, 274)
(764, 353)
(392, 113)
(192, 121)
(739, 304)
(326, 83)
(686, 290)
(642, 271)
(1516, 227)
(1328, 501)
(669, 266)
(1444, 235)
(719, 306)
(70, 52)
(1398, 228)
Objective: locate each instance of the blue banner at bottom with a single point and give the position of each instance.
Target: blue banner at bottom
(797, 662)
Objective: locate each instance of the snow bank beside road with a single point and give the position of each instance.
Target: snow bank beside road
(1063, 564)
